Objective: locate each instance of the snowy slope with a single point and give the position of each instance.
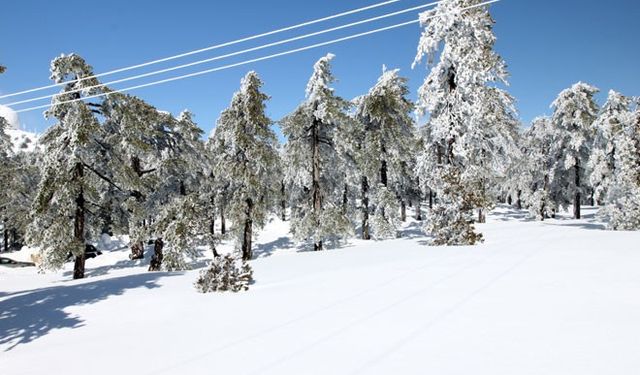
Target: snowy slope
(559, 297)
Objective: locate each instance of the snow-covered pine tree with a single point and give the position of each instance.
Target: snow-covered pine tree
(5, 175)
(612, 120)
(460, 34)
(386, 147)
(248, 162)
(180, 219)
(490, 142)
(312, 162)
(623, 196)
(575, 110)
(62, 214)
(535, 169)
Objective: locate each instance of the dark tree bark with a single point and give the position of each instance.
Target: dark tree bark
(283, 202)
(577, 199)
(78, 224)
(316, 195)
(223, 226)
(6, 236)
(247, 252)
(156, 259)
(345, 198)
(418, 211)
(403, 210)
(509, 200)
(519, 200)
(365, 209)
(384, 180)
(481, 216)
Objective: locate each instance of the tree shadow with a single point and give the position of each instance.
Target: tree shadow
(25, 317)
(267, 249)
(588, 226)
(412, 231)
(511, 214)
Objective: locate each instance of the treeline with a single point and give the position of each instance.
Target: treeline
(114, 164)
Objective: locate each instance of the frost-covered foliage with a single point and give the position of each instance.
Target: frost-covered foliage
(574, 112)
(385, 149)
(614, 117)
(226, 273)
(623, 196)
(451, 219)
(534, 176)
(463, 109)
(179, 223)
(60, 221)
(313, 167)
(247, 162)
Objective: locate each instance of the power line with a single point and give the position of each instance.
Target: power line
(220, 57)
(213, 47)
(269, 57)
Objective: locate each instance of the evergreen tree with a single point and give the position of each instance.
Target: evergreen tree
(535, 175)
(62, 218)
(623, 196)
(179, 223)
(386, 146)
(575, 110)
(313, 171)
(455, 94)
(611, 121)
(248, 162)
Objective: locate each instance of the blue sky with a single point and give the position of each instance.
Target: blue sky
(547, 44)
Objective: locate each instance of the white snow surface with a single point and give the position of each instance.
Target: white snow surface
(554, 297)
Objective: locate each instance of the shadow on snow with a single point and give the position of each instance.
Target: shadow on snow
(33, 314)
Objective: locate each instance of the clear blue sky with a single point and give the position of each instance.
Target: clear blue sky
(547, 44)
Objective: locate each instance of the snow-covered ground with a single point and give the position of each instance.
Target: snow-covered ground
(558, 297)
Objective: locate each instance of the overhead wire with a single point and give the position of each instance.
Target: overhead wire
(268, 57)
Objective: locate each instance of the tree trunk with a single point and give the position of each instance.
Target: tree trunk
(481, 216)
(223, 226)
(316, 195)
(345, 199)
(137, 251)
(418, 211)
(430, 200)
(6, 236)
(577, 199)
(283, 202)
(403, 210)
(247, 253)
(509, 200)
(384, 180)
(519, 200)
(78, 224)
(156, 259)
(365, 209)
(592, 198)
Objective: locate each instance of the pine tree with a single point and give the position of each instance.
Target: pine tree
(313, 171)
(575, 110)
(179, 222)
(248, 162)
(540, 140)
(386, 146)
(62, 221)
(455, 95)
(613, 118)
(622, 207)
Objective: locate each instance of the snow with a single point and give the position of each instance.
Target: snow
(553, 297)
(22, 140)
